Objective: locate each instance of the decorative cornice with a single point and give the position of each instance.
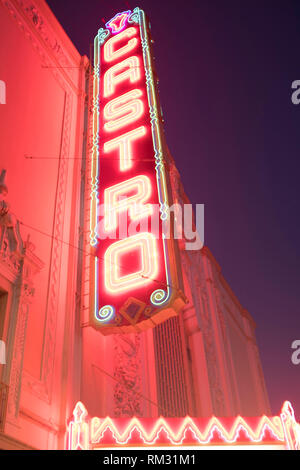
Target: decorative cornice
(33, 23)
(47, 424)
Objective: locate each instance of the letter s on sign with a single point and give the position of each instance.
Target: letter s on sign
(296, 94)
(296, 354)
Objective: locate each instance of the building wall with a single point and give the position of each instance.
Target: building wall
(42, 119)
(203, 362)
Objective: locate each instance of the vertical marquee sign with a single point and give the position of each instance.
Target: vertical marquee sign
(135, 280)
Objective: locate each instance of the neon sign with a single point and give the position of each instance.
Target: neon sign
(136, 281)
(265, 432)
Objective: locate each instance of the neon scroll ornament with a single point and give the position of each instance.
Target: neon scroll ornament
(136, 281)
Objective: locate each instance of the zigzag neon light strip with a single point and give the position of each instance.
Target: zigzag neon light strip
(177, 438)
(284, 431)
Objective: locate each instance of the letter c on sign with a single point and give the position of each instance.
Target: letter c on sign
(111, 53)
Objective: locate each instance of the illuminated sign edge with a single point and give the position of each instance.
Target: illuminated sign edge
(160, 297)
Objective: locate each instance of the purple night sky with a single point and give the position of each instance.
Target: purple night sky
(225, 71)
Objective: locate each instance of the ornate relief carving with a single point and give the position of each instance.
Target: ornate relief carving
(10, 238)
(44, 31)
(32, 11)
(23, 294)
(127, 372)
(17, 361)
(11, 260)
(17, 258)
(55, 266)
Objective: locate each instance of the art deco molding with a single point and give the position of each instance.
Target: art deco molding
(30, 20)
(18, 264)
(27, 14)
(127, 372)
(56, 253)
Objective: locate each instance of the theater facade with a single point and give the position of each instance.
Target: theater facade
(110, 340)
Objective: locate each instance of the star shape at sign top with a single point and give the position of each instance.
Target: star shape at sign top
(118, 22)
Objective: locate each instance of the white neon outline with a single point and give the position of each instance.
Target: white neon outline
(78, 435)
(158, 297)
(106, 313)
(115, 283)
(112, 78)
(116, 200)
(124, 144)
(111, 54)
(123, 110)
